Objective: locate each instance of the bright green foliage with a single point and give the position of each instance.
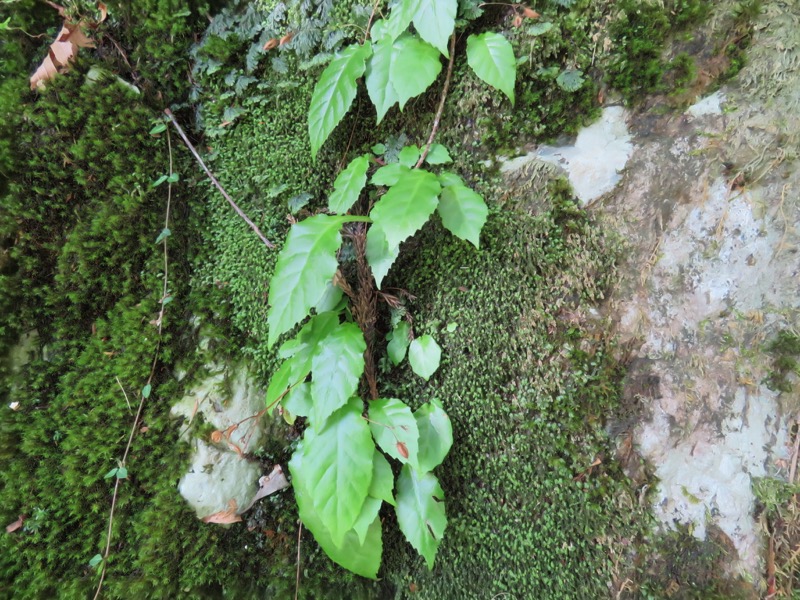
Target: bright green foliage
(420, 511)
(335, 92)
(424, 355)
(463, 212)
(379, 79)
(398, 345)
(408, 156)
(394, 429)
(389, 174)
(438, 155)
(336, 368)
(337, 467)
(382, 483)
(435, 21)
(380, 254)
(435, 434)
(413, 67)
(305, 266)
(348, 185)
(492, 58)
(406, 206)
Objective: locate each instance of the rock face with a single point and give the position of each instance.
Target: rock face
(219, 473)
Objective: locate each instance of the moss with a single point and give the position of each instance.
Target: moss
(785, 351)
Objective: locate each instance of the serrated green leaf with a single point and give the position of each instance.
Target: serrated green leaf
(394, 428)
(380, 255)
(334, 93)
(306, 264)
(110, 474)
(446, 178)
(146, 391)
(337, 466)
(382, 483)
(492, 58)
(400, 18)
(330, 298)
(348, 185)
(378, 78)
(399, 343)
(570, 80)
(463, 212)
(122, 473)
(438, 155)
(369, 512)
(298, 201)
(435, 21)
(165, 233)
(424, 355)
(378, 31)
(409, 156)
(389, 174)
(435, 434)
(361, 558)
(298, 400)
(336, 369)
(406, 207)
(420, 511)
(414, 66)
(95, 560)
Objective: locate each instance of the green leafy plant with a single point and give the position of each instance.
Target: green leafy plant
(340, 472)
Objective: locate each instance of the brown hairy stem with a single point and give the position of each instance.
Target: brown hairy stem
(437, 119)
(365, 306)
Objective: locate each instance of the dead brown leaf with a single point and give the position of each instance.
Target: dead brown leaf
(273, 43)
(15, 525)
(269, 484)
(530, 13)
(402, 449)
(103, 12)
(224, 516)
(61, 52)
(286, 39)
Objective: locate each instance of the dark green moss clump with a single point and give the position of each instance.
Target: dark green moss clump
(785, 351)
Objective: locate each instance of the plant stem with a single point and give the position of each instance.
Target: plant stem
(225, 194)
(297, 577)
(437, 119)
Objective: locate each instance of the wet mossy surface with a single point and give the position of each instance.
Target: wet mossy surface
(537, 506)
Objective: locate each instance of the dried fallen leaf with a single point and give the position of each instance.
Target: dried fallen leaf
(269, 484)
(530, 13)
(224, 516)
(103, 11)
(402, 449)
(286, 39)
(15, 525)
(517, 21)
(61, 51)
(272, 43)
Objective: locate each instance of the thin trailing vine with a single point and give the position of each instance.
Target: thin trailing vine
(340, 472)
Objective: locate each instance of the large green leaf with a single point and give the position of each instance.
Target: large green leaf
(382, 479)
(424, 355)
(400, 18)
(463, 212)
(348, 185)
(435, 434)
(337, 468)
(435, 21)
(414, 66)
(369, 512)
(394, 428)
(298, 401)
(306, 264)
(406, 206)
(378, 79)
(492, 58)
(380, 255)
(362, 558)
(396, 349)
(389, 174)
(420, 511)
(336, 368)
(334, 92)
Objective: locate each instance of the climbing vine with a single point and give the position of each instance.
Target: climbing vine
(331, 268)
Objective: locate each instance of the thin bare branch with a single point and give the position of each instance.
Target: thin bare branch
(440, 110)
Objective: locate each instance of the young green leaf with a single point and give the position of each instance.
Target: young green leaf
(348, 185)
(392, 422)
(146, 391)
(420, 511)
(305, 265)
(382, 478)
(96, 560)
(446, 178)
(298, 400)
(337, 466)
(158, 128)
(463, 212)
(399, 343)
(380, 255)
(570, 80)
(492, 58)
(336, 369)
(361, 558)
(159, 181)
(369, 512)
(435, 21)
(389, 174)
(407, 205)
(424, 355)
(165, 233)
(409, 156)
(111, 473)
(438, 155)
(414, 66)
(122, 473)
(334, 93)
(435, 434)
(378, 78)
(173, 177)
